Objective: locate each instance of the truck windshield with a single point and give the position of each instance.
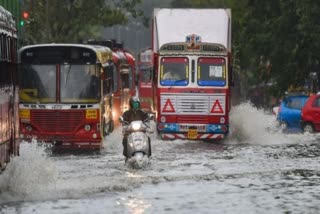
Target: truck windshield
(211, 72)
(37, 83)
(80, 83)
(173, 69)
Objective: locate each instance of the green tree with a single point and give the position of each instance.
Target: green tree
(285, 33)
(274, 41)
(75, 20)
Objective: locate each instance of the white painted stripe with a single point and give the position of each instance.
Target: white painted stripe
(58, 106)
(168, 136)
(183, 136)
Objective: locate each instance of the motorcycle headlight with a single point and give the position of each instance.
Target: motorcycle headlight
(136, 126)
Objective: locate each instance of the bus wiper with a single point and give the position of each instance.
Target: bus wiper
(176, 81)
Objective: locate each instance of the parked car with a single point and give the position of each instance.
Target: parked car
(289, 112)
(310, 114)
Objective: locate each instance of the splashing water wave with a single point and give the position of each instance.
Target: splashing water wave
(29, 174)
(250, 125)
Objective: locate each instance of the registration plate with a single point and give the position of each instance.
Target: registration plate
(192, 133)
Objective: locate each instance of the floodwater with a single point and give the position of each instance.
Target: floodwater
(257, 169)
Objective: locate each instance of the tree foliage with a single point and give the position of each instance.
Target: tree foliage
(273, 41)
(75, 20)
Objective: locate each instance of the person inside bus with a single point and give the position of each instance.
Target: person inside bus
(92, 90)
(134, 113)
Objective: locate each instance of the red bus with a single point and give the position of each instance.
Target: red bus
(145, 81)
(64, 92)
(123, 78)
(9, 100)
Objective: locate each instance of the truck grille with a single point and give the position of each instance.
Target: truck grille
(57, 121)
(193, 104)
(193, 119)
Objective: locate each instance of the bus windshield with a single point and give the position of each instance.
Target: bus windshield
(173, 69)
(37, 83)
(79, 83)
(211, 72)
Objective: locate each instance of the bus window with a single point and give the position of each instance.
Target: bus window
(108, 81)
(37, 83)
(146, 75)
(80, 83)
(115, 79)
(130, 78)
(125, 80)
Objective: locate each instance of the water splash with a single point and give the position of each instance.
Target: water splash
(250, 125)
(27, 176)
(135, 163)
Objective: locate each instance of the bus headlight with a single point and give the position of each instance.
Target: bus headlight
(87, 127)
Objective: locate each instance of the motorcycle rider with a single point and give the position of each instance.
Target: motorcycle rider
(134, 113)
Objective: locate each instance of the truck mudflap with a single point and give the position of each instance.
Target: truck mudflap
(172, 136)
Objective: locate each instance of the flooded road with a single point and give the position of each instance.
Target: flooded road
(257, 169)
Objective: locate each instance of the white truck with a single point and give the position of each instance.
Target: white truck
(196, 45)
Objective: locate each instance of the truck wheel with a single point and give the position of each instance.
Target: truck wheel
(308, 128)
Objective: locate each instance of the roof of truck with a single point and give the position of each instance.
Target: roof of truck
(173, 25)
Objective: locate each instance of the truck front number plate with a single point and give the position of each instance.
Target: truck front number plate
(192, 133)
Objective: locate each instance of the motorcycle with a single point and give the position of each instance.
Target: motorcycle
(138, 141)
